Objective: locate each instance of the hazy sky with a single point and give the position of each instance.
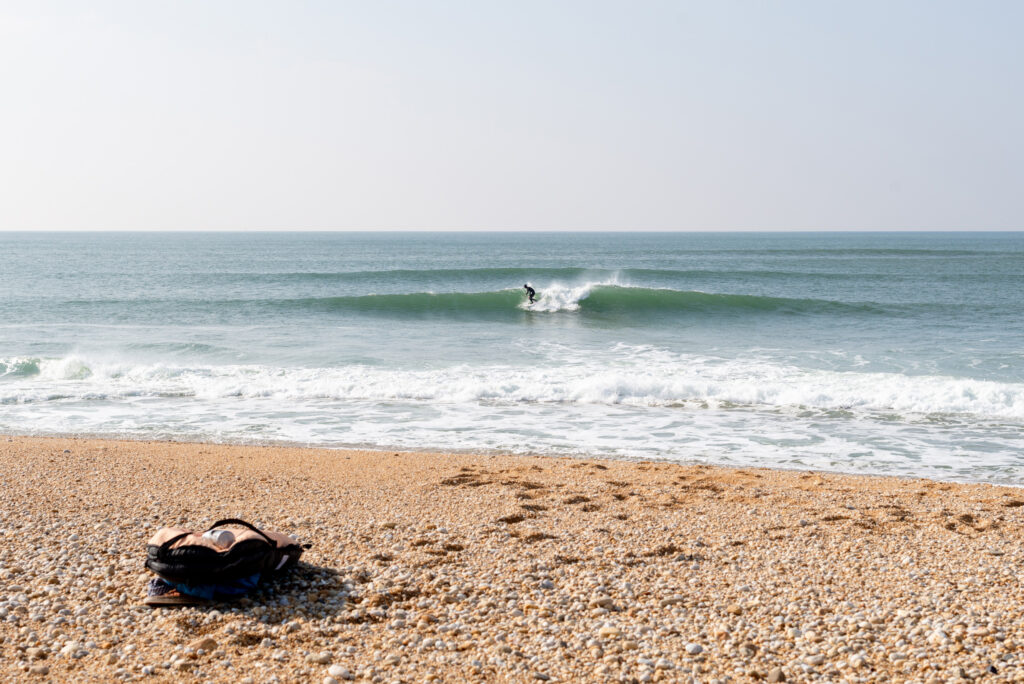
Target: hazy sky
(517, 114)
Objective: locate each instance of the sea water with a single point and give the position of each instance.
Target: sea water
(883, 353)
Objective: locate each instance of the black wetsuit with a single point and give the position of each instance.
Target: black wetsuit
(530, 292)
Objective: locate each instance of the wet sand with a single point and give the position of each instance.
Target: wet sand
(460, 567)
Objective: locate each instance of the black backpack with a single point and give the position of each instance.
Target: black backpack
(185, 557)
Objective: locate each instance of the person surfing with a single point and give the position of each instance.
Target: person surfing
(531, 293)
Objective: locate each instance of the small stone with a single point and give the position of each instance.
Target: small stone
(815, 660)
(39, 670)
(330, 680)
(694, 649)
(734, 609)
(322, 658)
(671, 601)
(547, 584)
(541, 676)
(609, 631)
(206, 643)
(776, 675)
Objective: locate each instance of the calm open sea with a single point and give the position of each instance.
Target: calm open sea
(873, 352)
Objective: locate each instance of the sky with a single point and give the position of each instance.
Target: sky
(532, 115)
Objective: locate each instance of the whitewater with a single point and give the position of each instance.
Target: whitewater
(879, 353)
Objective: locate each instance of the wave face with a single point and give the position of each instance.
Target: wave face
(609, 298)
(603, 299)
(18, 367)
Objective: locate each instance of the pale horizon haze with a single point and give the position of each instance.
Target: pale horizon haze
(530, 115)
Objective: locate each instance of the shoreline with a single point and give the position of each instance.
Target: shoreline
(487, 567)
(487, 453)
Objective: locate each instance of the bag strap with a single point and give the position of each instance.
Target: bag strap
(170, 542)
(242, 523)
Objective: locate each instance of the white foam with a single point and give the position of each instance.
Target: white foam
(626, 401)
(561, 297)
(626, 376)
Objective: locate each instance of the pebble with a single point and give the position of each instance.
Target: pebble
(206, 644)
(339, 672)
(694, 649)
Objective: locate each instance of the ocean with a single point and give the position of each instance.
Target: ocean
(885, 353)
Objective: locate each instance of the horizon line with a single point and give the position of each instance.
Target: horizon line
(511, 230)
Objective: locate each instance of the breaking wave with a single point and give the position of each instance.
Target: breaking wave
(607, 300)
(678, 381)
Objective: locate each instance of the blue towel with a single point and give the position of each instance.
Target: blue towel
(234, 589)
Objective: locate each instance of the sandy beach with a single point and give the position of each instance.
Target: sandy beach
(454, 567)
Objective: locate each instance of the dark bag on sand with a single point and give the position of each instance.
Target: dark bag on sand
(185, 557)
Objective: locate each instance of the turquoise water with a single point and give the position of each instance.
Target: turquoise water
(881, 353)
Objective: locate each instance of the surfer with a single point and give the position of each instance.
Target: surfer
(530, 292)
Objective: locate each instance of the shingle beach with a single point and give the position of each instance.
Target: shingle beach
(455, 567)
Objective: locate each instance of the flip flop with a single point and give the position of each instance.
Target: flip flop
(160, 593)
